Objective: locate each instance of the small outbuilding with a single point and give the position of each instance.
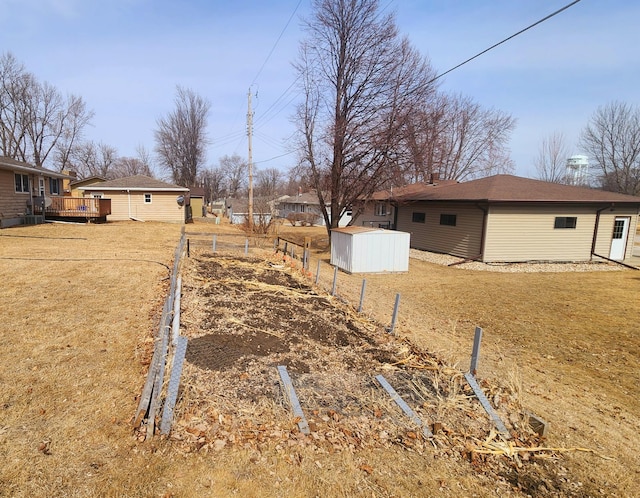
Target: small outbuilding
(370, 250)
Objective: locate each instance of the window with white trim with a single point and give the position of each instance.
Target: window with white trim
(381, 209)
(147, 198)
(22, 183)
(54, 186)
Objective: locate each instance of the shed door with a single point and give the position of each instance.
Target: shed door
(619, 241)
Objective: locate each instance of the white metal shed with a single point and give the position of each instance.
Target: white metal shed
(369, 250)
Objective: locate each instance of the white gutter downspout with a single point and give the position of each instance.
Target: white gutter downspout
(129, 199)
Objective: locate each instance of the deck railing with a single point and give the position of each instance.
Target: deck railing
(84, 207)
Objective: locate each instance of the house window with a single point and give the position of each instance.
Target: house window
(22, 183)
(54, 186)
(381, 209)
(147, 198)
(417, 217)
(448, 219)
(565, 222)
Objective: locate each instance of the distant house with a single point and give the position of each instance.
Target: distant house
(74, 185)
(513, 219)
(237, 210)
(142, 198)
(379, 210)
(305, 208)
(24, 189)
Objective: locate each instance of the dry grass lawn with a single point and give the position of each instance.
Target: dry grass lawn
(80, 305)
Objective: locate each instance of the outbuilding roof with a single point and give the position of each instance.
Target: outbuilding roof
(510, 188)
(136, 183)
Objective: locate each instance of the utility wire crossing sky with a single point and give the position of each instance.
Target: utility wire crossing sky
(126, 57)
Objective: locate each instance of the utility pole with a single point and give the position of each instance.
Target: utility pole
(249, 135)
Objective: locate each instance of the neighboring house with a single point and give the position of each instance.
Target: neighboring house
(74, 185)
(379, 210)
(305, 207)
(237, 210)
(142, 198)
(511, 219)
(23, 189)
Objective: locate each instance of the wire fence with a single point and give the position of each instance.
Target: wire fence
(315, 267)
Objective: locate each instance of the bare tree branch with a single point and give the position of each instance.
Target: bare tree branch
(551, 162)
(359, 79)
(612, 139)
(181, 137)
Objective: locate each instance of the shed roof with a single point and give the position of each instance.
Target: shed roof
(355, 230)
(197, 191)
(509, 188)
(136, 183)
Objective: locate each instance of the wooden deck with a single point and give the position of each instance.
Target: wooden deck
(87, 208)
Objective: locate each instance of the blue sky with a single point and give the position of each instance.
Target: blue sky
(125, 58)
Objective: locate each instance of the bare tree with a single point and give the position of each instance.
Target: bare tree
(213, 182)
(359, 79)
(612, 139)
(35, 119)
(551, 162)
(14, 90)
(181, 137)
(129, 166)
(94, 159)
(235, 170)
(143, 155)
(457, 138)
(268, 182)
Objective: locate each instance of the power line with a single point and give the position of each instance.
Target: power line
(276, 43)
(505, 40)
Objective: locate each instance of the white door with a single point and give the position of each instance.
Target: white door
(619, 241)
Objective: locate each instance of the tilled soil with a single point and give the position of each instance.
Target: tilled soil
(244, 317)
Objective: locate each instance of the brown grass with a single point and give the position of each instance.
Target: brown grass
(80, 304)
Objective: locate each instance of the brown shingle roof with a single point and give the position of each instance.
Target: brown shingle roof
(137, 182)
(509, 188)
(406, 190)
(13, 165)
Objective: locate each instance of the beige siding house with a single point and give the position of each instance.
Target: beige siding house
(22, 188)
(141, 198)
(505, 218)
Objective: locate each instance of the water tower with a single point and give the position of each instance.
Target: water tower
(578, 170)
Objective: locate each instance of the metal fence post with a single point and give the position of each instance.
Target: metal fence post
(335, 280)
(214, 243)
(475, 354)
(395, 314)
(318, 273)
(246, 246)
(364, 286)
